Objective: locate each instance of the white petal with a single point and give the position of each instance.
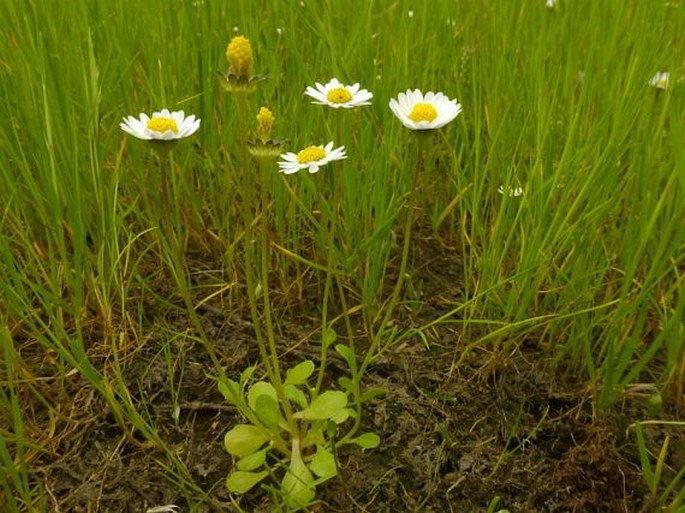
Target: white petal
(416, 96)
(135, 133)
(406, 103)
(364, 96)
(289, 157)
(134, 124)
(321, 97)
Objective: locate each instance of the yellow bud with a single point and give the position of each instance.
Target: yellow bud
(265, 123)
(239, 55)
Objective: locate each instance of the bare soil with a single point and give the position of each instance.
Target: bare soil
(453, 437)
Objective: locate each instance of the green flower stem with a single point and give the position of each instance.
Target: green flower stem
(264, 170)
(371, 353)
(267, 346)
(327, 291)
(424, 139)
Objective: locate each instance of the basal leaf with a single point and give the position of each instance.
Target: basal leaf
(325, 406)
(252, 461)
(258, 389)
(296, 395)
(347, 354)
(341, 416)
(298, 483)
(241, 481)
(346, 383)
(323, 464)
(267, 410)
(247, 374)
(244, 439)
(329, 337)
(231, 391)
(299, 374)
(367, 440)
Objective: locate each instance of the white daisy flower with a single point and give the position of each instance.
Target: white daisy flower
(419, 112)
(660, 80)
(512, 192)
(162, 126)
(311, 158)
(336, 95)
(550, 4)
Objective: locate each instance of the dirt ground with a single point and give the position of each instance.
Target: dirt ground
(453, 438)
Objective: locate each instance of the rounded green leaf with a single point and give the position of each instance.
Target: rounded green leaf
(231, 391)
(295, 395)
(341, 416)
(346, 384)
(252, 461)
(299, 374)
(244, 439)
(258, 389)
(247, 374)
(347, 354)
(323, 464)
(267, 411)
(325, 406)
(329, 337)
(367, 440)
(240, 481)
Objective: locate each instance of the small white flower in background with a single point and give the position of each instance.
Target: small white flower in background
(279, 31)
(169, 508)
(660, 80)
(512, 192)
(337, 95)
(550, 4)
(236, 28)
(411, 13)
(419, 112)
(311, 158)
(162, 126)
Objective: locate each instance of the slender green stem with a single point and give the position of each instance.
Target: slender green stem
(330, 264)
(409, 221)
(264, 169)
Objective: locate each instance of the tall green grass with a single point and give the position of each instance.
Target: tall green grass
(587, 264)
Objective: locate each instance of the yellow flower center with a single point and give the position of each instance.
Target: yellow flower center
(239, 55)
(311, 154)
(339, 95)
(662, 83)
(423, 112)
(162, 124)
